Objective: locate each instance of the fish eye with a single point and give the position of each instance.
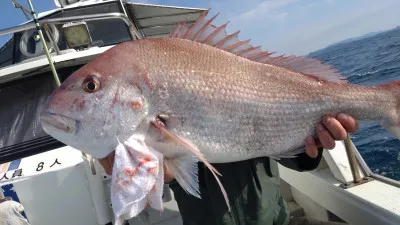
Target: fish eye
(91, 84)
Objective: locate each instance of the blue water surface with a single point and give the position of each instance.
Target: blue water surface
(369, 61)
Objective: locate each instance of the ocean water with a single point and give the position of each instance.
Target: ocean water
(369, 61)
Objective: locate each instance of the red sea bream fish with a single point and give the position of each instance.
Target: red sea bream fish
(203, 95)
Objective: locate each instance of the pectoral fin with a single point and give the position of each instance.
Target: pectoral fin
(183, 170)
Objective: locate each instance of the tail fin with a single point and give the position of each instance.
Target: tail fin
(393, 124)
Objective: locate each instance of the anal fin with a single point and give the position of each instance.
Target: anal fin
(185, 172)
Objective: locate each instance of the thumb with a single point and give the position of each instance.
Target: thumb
(168, 175)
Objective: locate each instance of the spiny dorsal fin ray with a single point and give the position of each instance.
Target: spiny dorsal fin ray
(204, 31)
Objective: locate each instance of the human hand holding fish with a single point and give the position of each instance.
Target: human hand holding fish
(203, 95)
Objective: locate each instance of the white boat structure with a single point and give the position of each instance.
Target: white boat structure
(57, 184)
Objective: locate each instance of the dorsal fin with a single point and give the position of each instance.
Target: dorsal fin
(205, 32)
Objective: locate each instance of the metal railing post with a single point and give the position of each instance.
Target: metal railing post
(53, 69)
(24, 11)
(352, 160)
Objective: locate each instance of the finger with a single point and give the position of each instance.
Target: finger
(325, 137)
(165, 167)
(106, 165)
(335, 128)
(108, 162)
(348, 122)
(168, 175)
(111, 158)
(311, 147)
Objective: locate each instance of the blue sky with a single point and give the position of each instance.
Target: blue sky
(285, 26)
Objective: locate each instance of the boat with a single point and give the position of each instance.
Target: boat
(57, 184)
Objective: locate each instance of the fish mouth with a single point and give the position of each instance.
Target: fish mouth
(59, 122)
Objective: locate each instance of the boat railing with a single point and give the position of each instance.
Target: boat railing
(45, 23)
(349, 168)
(101, 16)
(368, 173)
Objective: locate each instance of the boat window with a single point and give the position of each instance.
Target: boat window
(20, 105)
(6, 53)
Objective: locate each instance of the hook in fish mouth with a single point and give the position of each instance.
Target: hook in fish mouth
(63, 123)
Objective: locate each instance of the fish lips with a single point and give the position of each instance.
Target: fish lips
(58, 122)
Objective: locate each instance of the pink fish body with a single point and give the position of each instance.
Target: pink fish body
(204, 93)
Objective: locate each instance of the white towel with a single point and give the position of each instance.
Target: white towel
(137, 179)
(10, 213)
